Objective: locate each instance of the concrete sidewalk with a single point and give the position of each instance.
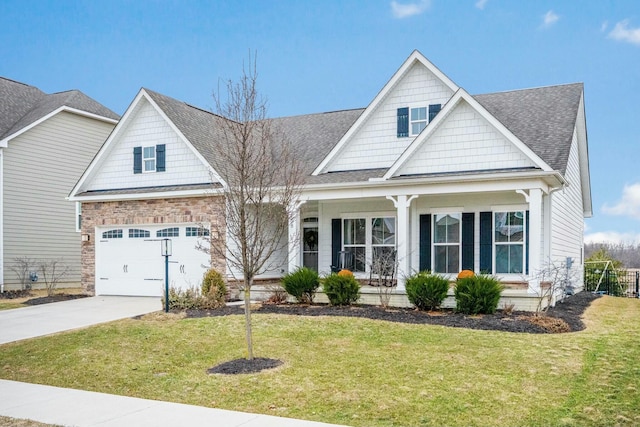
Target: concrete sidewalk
(68, 407)
(38, 320)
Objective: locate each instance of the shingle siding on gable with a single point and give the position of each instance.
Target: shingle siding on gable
(465, 141)
(147, 128)
(567, 226)
(376, 144)
(40, 168)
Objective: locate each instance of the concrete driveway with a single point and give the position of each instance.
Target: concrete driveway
(29, 322)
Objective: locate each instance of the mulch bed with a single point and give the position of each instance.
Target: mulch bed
(566, 313)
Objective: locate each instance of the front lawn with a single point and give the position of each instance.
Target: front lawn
(358, 372)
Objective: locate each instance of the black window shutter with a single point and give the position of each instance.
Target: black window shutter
(160, 157)
(526, 241)
(486, 242)
(403, 122)
(468, 227)
(434, 109)
(336, 242)
(137, 159)
(425, 242)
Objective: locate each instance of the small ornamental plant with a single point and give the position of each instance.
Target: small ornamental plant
(427, 291)
(302, 284)
(341, 288)
(213, 289)
(477, 294)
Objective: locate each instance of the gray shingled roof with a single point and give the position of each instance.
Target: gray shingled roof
(543, 118)
(22, 105)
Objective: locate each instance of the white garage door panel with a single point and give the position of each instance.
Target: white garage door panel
(135, 266)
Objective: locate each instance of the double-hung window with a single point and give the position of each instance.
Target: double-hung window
(418, 118)
(370, 241)
(149, 158)
(446, 242)
(355, 241)
(509, 241)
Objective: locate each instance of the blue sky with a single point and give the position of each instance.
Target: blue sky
(316, 56)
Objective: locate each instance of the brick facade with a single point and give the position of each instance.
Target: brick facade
(146, 212)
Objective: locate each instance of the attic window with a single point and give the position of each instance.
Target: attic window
(149, 159)
(418, 120)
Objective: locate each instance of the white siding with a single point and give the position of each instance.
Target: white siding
(567, 226)
(375, 144)
(465, 141)
(146, 127)
(41, 167)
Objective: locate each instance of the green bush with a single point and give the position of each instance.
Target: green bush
(477, 295)
(213, 289)
(302, 284)
(341, 289)
(426, 291)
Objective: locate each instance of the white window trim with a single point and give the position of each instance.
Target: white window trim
(523, 243)
(434, 244)
(426, 120)
(145, 159)
(368, 217)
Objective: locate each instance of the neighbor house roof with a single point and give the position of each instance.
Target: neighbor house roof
(542, 118)
(22, 105)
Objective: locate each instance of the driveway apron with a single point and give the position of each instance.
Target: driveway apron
(38, 320)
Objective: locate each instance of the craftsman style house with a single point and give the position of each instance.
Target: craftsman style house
(442, 179)
(46, 142)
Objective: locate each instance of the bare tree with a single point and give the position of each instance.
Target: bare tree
(52, 270)
(263, 177)
(22, 267)
(557, 281)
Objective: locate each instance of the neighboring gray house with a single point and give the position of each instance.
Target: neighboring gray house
(46, 142)
(442, 179)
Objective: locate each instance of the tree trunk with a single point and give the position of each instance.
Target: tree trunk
(247, 316)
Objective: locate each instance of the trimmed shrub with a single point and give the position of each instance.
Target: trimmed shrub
(478, 294)
(345, 273)
(341, 289)
(427, 291)
(213, 289)
(302, 284)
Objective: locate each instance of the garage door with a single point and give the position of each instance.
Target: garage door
(129, 259)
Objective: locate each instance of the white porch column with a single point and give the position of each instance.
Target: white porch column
(535, 237)
(293, 238)
(403, 240)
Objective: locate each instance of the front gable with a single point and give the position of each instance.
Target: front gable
(373, 141)
(145, 151)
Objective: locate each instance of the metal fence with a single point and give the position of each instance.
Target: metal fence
(620, 283)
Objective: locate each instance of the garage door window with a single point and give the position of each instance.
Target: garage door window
(136, 233)
(197, 232)
(112, 234)
(168, 232)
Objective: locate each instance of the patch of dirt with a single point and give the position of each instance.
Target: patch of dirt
(564, 317)
(53, 298)
(245, 366)
(15, 294)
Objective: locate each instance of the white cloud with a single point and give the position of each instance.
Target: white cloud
(628, 205)
(622, 32)
(612, 237)
(409, 9)
(480, 4)
(549, 19)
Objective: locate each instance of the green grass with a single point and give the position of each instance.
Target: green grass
(356, 371)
